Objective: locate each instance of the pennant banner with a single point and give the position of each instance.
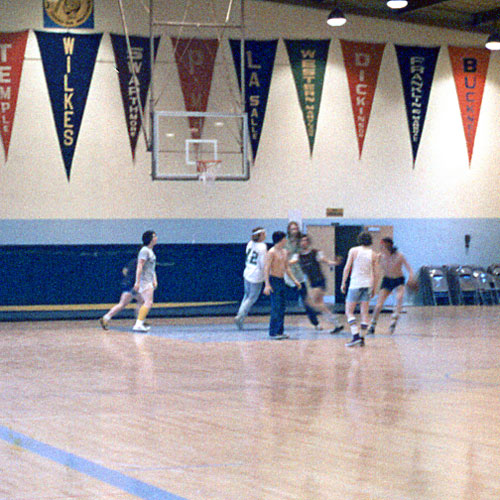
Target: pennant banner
(195, 58)
(259, 63)
(134, 94)
(362, 63)
(308, 63)
(68, 62)
(469, 66)
(12, 48)
(417, 66)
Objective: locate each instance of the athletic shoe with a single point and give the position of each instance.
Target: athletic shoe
(239, 322)
(371, 330)
(283, 336)
(141, 328)
(104, 323)
(392, 327)
(356, 341)
(318, 328)
(337, 329)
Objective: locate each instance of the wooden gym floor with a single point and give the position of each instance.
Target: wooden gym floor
(196, 410)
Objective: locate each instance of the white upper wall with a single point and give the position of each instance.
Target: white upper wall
(106, 184)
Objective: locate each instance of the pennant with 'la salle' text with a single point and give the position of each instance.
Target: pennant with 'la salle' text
(469, 66)
(134, 93)
(68, 63)
(259, 58)
(195, 58)
(308, 63)
(362, 63)
(12, 48)
(417, 66)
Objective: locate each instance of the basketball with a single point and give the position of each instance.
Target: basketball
(412, 285)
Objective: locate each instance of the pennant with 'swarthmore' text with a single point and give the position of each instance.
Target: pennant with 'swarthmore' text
(362, 63)
(308, 63)
(134, 94)
(259, 58)
(195, 58)
(68, 63)
(417, 66)
(12, 48)
(469, 66)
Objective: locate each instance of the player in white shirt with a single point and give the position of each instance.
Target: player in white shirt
(253, 275)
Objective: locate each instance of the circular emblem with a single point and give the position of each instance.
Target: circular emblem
(68, 13)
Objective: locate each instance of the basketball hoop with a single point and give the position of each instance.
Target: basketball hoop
(207, 171)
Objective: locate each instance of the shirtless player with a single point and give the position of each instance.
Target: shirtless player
(392, 262)
(274, 272)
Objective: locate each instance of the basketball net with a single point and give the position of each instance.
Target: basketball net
(207, 171)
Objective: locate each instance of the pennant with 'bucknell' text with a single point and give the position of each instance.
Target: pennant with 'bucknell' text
(195, 58)
(12, 48)
(417, 66)
(68, 63)
(134, 93)
(308, 63)
(259, 58)
(362, 63)
(469, 66)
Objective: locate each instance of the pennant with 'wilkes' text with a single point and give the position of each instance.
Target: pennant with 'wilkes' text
(362, 63)
(259, 58)
(469, 66)
(417, 66)
(12, 48)
(68, 62)
(308, 63)
(134, 93)
(195, 58)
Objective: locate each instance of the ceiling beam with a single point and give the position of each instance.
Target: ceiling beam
(485, 17)
(418, 4)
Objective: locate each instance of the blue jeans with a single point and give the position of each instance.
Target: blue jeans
(311, 313)
(278, 303)
(250, 296)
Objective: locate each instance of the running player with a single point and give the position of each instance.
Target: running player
(361, 266)
(392, 263)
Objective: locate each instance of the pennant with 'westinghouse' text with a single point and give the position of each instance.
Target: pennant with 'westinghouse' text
(12, 48)
(417, 66)
(308, 63)
(195, 58)
(68, 63)
(134, 93)
(259, 58)
(470, 66)
(362, 63)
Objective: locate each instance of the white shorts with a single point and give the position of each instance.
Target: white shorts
(143, 287)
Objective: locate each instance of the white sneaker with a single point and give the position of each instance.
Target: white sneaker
(141, 328)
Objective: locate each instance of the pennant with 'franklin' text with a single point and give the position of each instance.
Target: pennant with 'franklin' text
(134, 93)
(362, 63)
(12, 48)
(308, 63)
(259, 58)
(195, 58)
(417, 66)
(469, 66)
(68, 62)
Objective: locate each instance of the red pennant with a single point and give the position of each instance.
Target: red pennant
(12, 47)
(362, 63)
(195, 58)
(469, 66)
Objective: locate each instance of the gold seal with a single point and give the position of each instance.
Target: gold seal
(68, 13)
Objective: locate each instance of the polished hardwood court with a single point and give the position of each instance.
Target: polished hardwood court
(196, 410)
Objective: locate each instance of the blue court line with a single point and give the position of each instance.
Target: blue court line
(103, 474)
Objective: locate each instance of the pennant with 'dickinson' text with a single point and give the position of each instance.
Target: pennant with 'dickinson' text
(68, 63)
(417, 66)
(195, 58)
(362, 63)
(134, 92)
(470, 66)
(259, 58)
(308, 63)
(12, 48)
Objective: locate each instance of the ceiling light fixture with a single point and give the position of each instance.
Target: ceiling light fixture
(493, 42)
(336, 18)
(397, 4)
